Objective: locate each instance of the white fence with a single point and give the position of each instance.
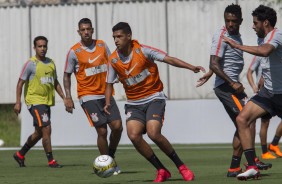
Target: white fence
(182, 28)
(186, 122)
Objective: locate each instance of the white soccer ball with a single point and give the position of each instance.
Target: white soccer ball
(104, 166)
(1, 142)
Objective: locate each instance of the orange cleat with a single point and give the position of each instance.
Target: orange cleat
(275, 149)
(267, 156)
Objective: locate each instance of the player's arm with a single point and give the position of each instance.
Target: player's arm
(251, 80)
(110, 80)
(181, 64)
(17, 107)
(69, 67)
(59, 89)
(263, 50)
(215, 67)
(108, 94)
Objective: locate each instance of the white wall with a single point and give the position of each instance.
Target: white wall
(186, 122)
(186, 34)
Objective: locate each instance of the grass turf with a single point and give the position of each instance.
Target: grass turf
(209, 163)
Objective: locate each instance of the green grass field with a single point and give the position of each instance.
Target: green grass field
(209, 163)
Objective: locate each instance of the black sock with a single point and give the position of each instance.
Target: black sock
(235, 162)
(49, 156)
(275, 140)
(24, 149)
(156, 162)
(112, 152)
(250, 156)
(174, 157)
(264, 148)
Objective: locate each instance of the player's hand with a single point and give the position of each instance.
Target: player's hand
(69, 105)
(107, 108)
(203, 80)
(230, 42)
(238, 87)
(198, 69)
(17, 108)
(255, 89)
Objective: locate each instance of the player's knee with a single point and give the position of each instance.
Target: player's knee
(153, 136)
(241, 121)
(135, 138)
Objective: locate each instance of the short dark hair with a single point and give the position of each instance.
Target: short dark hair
(122, 26)
(234, 9)
(39, 38)
(84, 21)
(265, 13)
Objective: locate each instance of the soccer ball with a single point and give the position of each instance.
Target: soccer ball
(104, 166)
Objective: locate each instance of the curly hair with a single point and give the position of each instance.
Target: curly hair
(234, 9)
(265, 13)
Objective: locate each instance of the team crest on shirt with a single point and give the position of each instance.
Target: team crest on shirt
(137, 51)
(45, 117)
(94, 117)
(128, 115)
(114, 60)
(100, 45)
(78, 50)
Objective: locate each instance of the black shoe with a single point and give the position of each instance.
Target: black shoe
(260, 165)
(54, 164)
(19, 160)
(234, 172)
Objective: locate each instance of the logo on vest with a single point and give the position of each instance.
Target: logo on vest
(100, 45)
(137, 51)
(78, 50)
(114, 60)
(92, 60)
(94, 117)
(45, 117)
(127, 72)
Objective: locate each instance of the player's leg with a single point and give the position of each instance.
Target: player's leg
(93, 110)
(247, 116)
(154, 117)
(116, 127)
(44, 127)
(263, 139)
(233, 104)
(31, 140)
(135, 125)
(274, 144)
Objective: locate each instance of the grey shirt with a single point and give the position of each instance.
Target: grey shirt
(272, 65)
(231, 59)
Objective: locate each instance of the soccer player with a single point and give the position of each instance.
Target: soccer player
(134, 65)
(269, 97)
(40, 79)
(227, 63)
(255, 66)
(88, 59)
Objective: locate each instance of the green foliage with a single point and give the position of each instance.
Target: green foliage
(9, 125)
(208, 162)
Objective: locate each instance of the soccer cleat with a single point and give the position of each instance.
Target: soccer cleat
(234, 172)
(267, 155)
(162, 175)
(251, 172)
(275, 149)
(19, 158)
(54, 164)
(186, 173)
(117, 171)
(260, 165)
